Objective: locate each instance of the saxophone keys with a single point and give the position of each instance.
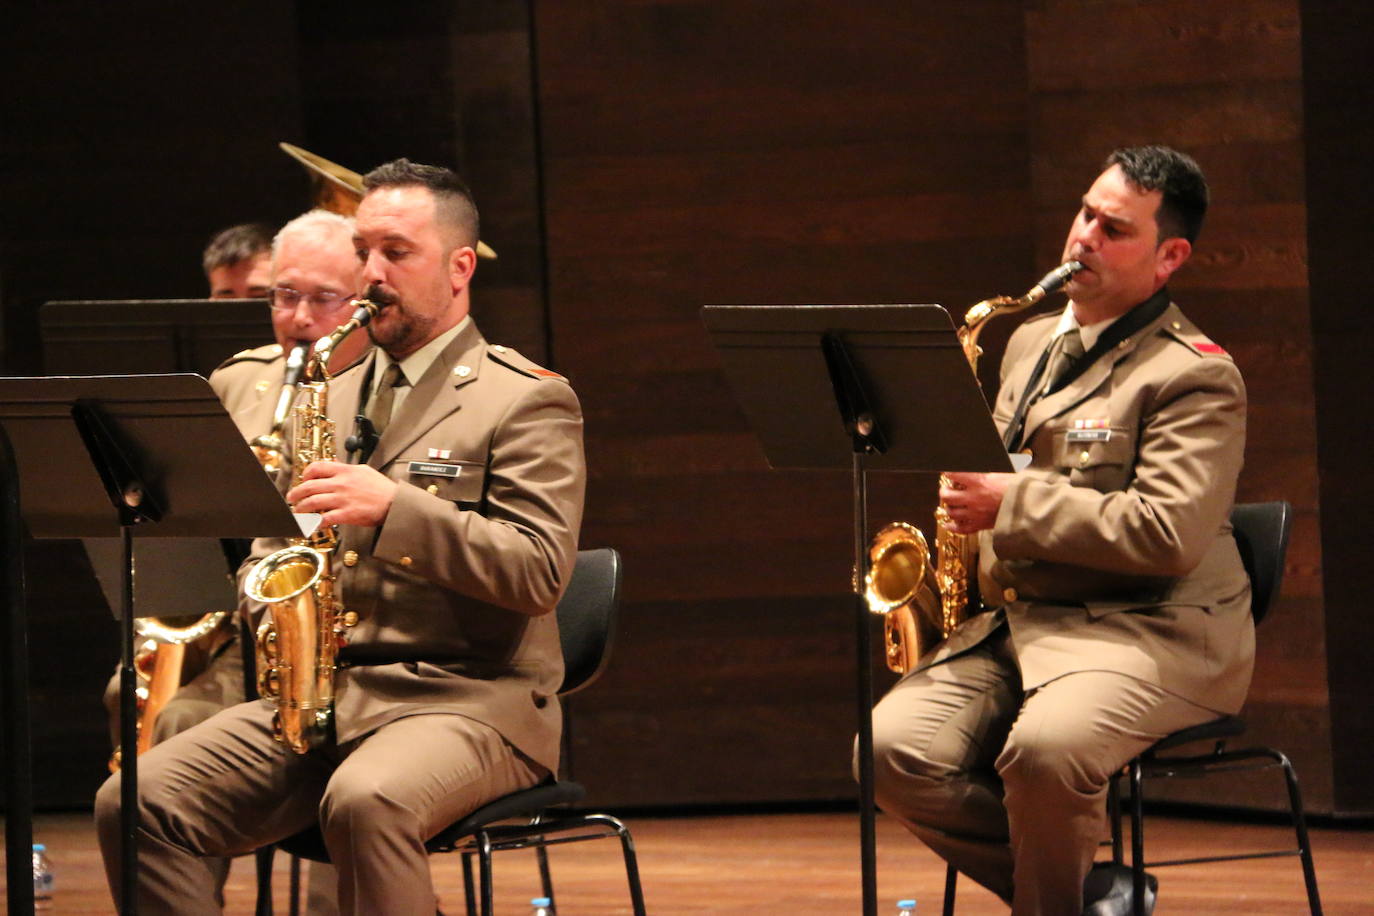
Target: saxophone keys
(350, 558)
(350, 618)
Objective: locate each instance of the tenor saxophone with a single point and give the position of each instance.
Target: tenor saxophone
(298, 642)
(923, 603)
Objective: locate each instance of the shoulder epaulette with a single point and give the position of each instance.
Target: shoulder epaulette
(1188, 335)
(263, 354)
(513, 360)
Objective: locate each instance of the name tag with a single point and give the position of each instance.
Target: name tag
(1088, 435)
(428, 469)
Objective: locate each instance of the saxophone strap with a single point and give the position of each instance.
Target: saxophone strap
(1137, 318)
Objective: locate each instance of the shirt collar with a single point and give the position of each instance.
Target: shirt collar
(414, 366)
(1089, 334)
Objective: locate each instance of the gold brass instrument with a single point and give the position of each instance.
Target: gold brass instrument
(157, 668)
(269, 447)
(299, 643)
(922, 602)
(339, 189)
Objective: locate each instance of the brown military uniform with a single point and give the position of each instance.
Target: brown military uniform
(1123, 615)
(449, 697)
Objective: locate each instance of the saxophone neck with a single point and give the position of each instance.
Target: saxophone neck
(982, 312)
(365, 310)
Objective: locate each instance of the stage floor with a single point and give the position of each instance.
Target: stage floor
(803, 864)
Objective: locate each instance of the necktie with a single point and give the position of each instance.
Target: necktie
(379, 412)
(1069, 352)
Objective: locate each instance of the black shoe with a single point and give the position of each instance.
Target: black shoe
(1107, 891)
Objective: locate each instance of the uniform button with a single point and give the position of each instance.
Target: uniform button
(406, 561)
(350, 618)
(1122, 345)
(350, 558)
(1177, 325)
(499, 349)
(432, 489)
(462, 371)
(1009, 594)
(262, 386)
(1084, 458)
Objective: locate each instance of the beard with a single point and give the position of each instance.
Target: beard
(396, 329)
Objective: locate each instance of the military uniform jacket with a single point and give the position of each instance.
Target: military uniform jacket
(454, 592)
(248, 384)
(1113, 550)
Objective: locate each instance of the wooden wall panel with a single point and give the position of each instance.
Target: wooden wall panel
(758, 152)
(1338, 70)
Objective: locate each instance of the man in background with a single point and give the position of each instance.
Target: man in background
(238, 262)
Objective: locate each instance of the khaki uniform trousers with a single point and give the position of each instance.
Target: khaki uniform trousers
(1010, 785)
(226, 788)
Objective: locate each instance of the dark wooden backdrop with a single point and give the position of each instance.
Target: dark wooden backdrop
(636, 159)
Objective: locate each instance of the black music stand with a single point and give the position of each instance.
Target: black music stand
(868, 387)
(137, 456)
(139, 336)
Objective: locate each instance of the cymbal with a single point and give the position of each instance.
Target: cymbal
(339, 189)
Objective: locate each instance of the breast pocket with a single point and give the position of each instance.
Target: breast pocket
(1104, 462)
(461, 482)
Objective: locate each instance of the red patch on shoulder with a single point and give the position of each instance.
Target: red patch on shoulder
(1212, 348)
(547, 373)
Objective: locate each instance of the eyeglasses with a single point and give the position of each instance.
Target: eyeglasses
(285, 299)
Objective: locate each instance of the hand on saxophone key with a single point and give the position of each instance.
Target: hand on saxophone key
(970, 502)
(344, 494)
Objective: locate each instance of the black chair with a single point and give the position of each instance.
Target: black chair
(523, 820)
(1261, 531)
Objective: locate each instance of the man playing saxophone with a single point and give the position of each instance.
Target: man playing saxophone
(1119, 605)
(457, 532)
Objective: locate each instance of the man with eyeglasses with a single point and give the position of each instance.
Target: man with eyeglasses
(314, 274)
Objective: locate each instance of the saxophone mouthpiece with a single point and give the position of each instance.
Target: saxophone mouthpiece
(1057, 277)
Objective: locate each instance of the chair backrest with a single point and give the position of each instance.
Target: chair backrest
(586, 616)
(1261, 531)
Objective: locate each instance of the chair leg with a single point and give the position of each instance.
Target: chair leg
(469, 894)
(951, 880)
(262, 859)
(1114, 815)
(1137, 839)
(1299, 818)
(484, 872)
(541, 853)
(295, 884)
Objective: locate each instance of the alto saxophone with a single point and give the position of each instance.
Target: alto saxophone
(922, 604)
(298, 644)
(270, 448)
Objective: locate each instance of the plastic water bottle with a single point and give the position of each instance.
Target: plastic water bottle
(541, 906)
(42, 878)
(906, 908)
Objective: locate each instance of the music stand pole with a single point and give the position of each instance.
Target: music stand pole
(19, 758)
(868, 859)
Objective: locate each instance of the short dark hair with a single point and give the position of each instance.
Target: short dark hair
(237, 243)
(1177, 176)
(453, 203)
